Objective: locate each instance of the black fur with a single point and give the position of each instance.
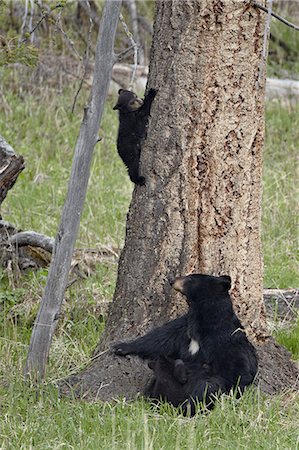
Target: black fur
(170, 376)
(174, 380)
(225, 359)
(133, 120)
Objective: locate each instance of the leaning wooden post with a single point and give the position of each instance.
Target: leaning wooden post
(48, 314)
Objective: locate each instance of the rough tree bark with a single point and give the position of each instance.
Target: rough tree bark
(11, 166)
(201, 206)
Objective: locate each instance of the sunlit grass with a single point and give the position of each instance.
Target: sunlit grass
(281, 197)
(40, 419)
(44, 131)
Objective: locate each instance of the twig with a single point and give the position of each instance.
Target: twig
(120, 55)
(68, 40)
(131, 6)
(24, 22)
(262, 68)
(135, 47)
(73, 281)
(82, 37)
(58, 26)
(85, 59)
(30, 20)
(263, 8)
(91, 13)
(43, 17)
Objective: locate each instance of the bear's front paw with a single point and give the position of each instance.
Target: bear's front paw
(152, 93)
(121, 349)
(140, 181)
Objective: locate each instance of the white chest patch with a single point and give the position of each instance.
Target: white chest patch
(193, 346)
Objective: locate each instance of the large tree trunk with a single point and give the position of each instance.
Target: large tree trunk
(201, 206)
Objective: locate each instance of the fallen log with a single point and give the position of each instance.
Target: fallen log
(282, 303)
(282, 89)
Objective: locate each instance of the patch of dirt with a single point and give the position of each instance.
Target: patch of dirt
(277, 371)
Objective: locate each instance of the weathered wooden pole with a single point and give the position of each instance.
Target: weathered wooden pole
(48, 314)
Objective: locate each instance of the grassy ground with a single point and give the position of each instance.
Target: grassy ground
(283, 46)
(42, 129)
(51, 423)
(280, 197)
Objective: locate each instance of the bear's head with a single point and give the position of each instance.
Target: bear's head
(167, 369)
(127, 101)
(197, 287)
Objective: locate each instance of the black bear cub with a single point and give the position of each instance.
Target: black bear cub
(168, 383)
(133, 120)
(209, 340)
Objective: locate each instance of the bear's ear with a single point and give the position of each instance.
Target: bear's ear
(226, 281)
(152, 364)
(120, 91)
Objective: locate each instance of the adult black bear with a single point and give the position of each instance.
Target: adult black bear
(209, 339)
(133, 120)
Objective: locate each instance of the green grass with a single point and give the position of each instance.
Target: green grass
(283, 61)
(39, 126)
(289, 337)
(280, 197)
(43, 421)
(44, 131)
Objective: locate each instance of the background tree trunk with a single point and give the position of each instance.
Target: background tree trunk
(11, 166)
(201, 206)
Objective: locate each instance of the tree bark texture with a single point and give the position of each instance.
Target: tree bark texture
(200, 210)
(11, 166)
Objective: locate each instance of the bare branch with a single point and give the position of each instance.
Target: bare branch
(34, 239)
(135, 47)
(69, 41)
(262, 68)
(24, 22)
(90, 12)
(146, 25)
(44, 16)
(131, 6)
(30, 20)
(263, 8)
(85, 59)
(120, 55)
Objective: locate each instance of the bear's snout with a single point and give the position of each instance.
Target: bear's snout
(178, 284)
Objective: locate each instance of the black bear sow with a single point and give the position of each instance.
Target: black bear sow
(133, 120)
(209, 340)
